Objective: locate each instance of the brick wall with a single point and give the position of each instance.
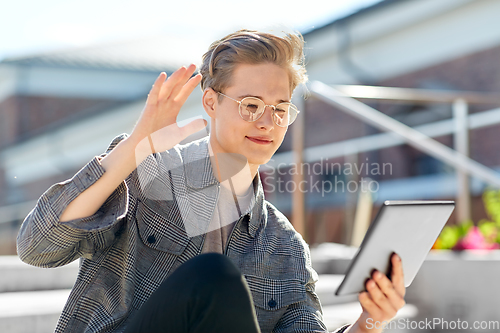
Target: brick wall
(9, 124)
(3, 185)
(25, 116)
(22, 117)
(475, 72)
(324, 124)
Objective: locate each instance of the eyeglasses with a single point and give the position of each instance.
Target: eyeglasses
(252, 108)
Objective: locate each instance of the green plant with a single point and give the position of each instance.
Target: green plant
(486, 235)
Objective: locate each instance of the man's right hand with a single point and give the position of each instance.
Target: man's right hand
(157, 129)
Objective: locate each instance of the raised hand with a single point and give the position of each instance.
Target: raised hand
(382, 300)
(157, 129)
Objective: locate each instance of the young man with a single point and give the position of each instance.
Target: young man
(148, 217)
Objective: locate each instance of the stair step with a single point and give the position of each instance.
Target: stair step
(31, 311)
(326, 287)
(19, 276)
(32, 298)
(337, 315)
(38, 311)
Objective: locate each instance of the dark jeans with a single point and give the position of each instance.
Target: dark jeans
(205, 294)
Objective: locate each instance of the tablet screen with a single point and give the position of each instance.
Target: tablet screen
(408, 228)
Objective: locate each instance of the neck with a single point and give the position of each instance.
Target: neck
(232, 170)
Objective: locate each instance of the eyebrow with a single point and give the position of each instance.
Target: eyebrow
(260, 97)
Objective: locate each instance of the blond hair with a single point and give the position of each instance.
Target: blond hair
(252, 47)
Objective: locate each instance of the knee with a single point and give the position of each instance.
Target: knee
(213, 267)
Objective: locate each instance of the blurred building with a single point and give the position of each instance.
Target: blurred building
(59, 109)
(446, 45)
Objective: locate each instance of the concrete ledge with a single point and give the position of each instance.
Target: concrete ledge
(338, 315)
(458, 285)
(33, 311)
(332, 258)
(33, 324)
(32, 303)
(326, 287)
(19, 276)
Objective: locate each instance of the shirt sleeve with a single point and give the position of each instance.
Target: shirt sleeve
(305, 317)
(43, 241)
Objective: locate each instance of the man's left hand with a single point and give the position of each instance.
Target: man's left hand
(382, 300)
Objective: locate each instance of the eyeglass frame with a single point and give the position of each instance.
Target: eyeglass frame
(272, 106)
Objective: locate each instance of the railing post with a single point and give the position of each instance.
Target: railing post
(298, 200)
(461, 145)
(350, 197)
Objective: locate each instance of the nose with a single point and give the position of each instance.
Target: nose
(266, 120)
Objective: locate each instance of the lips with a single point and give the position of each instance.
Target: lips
(261, 140)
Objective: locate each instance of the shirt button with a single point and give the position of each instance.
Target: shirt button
(151, 239)
(272, 303)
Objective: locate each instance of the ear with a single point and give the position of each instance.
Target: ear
(209, 101)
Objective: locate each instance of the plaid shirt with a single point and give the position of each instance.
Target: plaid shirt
(135, 241)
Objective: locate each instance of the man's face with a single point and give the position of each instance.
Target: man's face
(258, 140)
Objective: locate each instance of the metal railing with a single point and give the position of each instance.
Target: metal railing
(343, 98)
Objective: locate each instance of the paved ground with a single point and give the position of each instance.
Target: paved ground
(31, 298)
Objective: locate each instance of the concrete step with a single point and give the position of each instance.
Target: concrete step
(19, 276)
(337, 315)
(31, 311)
(32, 298)
(326, 287)
(38, 311)
(332, 258)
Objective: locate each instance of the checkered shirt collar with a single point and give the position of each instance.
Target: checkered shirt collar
(199, 174)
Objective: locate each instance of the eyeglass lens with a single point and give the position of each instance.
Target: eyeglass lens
(251, 109)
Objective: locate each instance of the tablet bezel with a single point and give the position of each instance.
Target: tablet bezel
(350, 284)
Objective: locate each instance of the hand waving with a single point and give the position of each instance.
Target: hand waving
(157, 129)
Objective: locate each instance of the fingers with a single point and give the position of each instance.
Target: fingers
(383, 294)
(369, 306)
(182, 81)
(383, 298)
(187, 89)
(174, 91)
(388, 289)
(155, 90)
(168, 85)
(397, 275)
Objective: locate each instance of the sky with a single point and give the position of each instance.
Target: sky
(33, 26)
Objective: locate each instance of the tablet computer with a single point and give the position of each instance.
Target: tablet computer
(408, 228)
